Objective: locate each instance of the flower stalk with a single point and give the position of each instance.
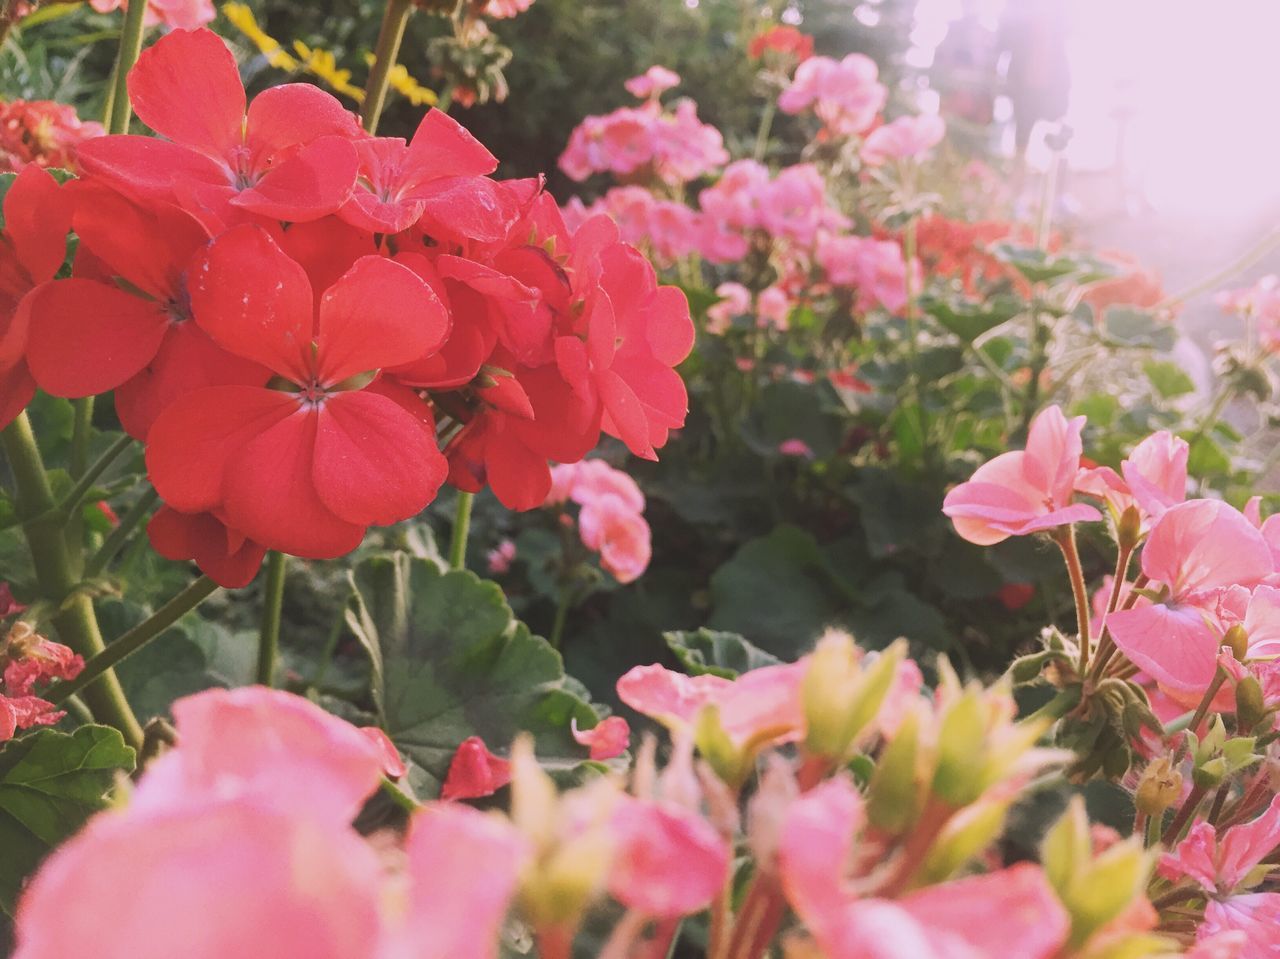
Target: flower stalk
(394, 21)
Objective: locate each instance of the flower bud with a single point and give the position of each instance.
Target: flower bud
(1158, 788)
(716, 746)
(1251, 708)
(1129, 528)
(1238, 639)
(957, 778)
(842, 693)
(894, 795)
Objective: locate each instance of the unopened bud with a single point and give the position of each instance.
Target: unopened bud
(1251, 708)
(1129, 529)
(842, 692)
(1238, 639)
(1159, 788)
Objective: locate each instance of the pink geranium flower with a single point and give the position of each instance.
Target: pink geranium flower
(773, 307)
(875, 268)
(474, 771)
(608, 739)
(1197, 550)
(846, 94)
(610, 527)
(652, 83)
(735, 300)
(1153, 478)
(904, 138)
(1025, 491)
(181, 14)
(1221, 867)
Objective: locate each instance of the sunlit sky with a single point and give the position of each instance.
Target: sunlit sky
(1200, 79)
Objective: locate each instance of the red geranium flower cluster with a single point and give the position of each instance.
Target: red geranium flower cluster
(784, 40)
(41, 132)
(291, 311)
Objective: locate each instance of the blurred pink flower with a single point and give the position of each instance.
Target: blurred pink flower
(875, 268)
(504, 9)
(1025, 491)
(1260, 302)
(795, 447)
(674, 145)
(794, 206)
(178, 14)
(393, 766)
(735, 300)
(652, 83)
(607, 739)
(41, 132)
(846, 95)
(904, 137)
(773, 307)
(611, 527)
(499, 558)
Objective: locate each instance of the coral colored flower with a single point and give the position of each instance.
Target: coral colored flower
(610, 527)
(180, 14)
(474, 772)
(1016, 595)
(463, 868)
(652, 83)
(25, 712)
(41, 133)
(289, 157)
(762, 705)
(1196, 550)
(735, 300)
(306, 468)
(591, 479)
(130, 313)
(30, 659)
(267, 747)
(223, 554)
(206, 879)
(393, 767)
(846, 95)
(33, 246)
(1134, 287)
(904, 138)
(782, 39)
(440, 172)
(1221, 867)
(608, 739)
(500, 558)
(8, 605)
(650, 838)
(1025, 491)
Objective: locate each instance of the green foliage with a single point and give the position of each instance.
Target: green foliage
(716, 652)
(451, 661)
(50, 783)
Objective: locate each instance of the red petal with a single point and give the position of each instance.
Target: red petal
(186, 361)
(626, 415)
(669, 326)
(326, 248)
(149, 168)
(271, 494)
(462, 209)
(602, 332)
(291, 115)
(367, 211)
(313, 182)
(509, 396)
(379, 314)
(191, 444)
(203, 538)
(566, 424)
(37, 218)
(375, 463)
(150, 247)
(186, 86)
(87, 338)
(519, 477)
(256, 302)
(444, 147)
(16, 390)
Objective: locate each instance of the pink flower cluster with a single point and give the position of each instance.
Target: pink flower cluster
(875, 268)
(846, 95)
(904, 138)
(611, 519)
(646, 142)
(29, 660)
(41, 132)
(1260, 303)
(772, 307)
(178, 14)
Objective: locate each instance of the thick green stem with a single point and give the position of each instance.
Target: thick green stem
(272, 603)
(390, 36)
(138, 512)
(461, 530)
(81, 431)
(75, 622)
(130, 46)
(135, 639)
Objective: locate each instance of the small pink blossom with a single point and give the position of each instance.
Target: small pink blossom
(795, 447)
(673, 145)
(846, 95)
(608, 739)
(609, 526)
(504, 9)
(735, 300)
(178, 14)
(733, 200)
(1025, 491)
(500, 558)
(794, 206)
(875, 268)
(773, 307)
(654, 82)
(1261, 303)
(904, 138)
(474, 772)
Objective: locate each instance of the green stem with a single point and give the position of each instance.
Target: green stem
(132, 641)
(81, 431)
(766, 124)
(562, 615)
(75, 621)
(461, 530)
(390, 36)
(1153, 831)
(120, 535)
(1184, 814)
(913, 334)
(88, 476)
(1067, 543)
(130, 47)
(272, 603)
(1206, 700)
(1241, 263)
(398, 796)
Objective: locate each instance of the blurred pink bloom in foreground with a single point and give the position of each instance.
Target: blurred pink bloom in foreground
(179, 14)
(904, 137)
(845, 94)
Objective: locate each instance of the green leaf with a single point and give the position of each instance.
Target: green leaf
(50, 783)
(1169, 379)
(969, 319)
(895, 514)
(451, 661)
(718, 653)
(1130, 326)
(1039, 266)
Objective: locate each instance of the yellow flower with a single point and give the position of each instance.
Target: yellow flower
(323, 64)
(407, 86)
(242, 19)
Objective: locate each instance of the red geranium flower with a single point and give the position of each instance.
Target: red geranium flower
(33, 245)
(222, 553)
(290, 157)
(133, 337)
(306, 467)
